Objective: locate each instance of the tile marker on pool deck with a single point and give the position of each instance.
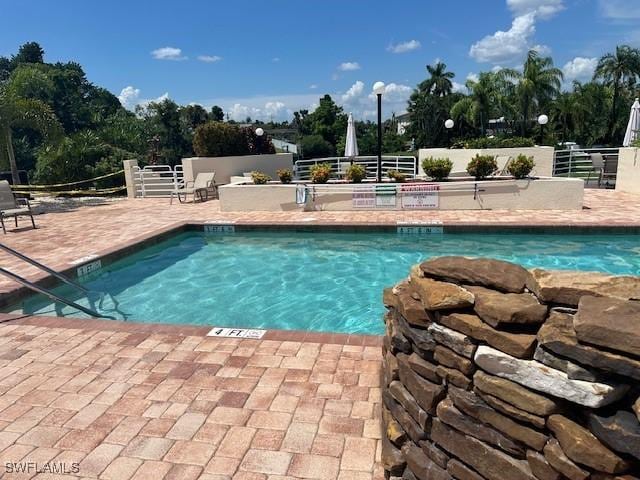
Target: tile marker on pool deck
(236, 333)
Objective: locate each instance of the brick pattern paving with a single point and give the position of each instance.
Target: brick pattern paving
(128, 405)
(65, 236)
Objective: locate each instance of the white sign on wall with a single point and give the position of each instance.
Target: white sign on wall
(364, 196)
(420, 196)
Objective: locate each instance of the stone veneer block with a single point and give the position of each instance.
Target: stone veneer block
(460, 471)
(573, 370)
(412, 310)
(558, 460)
(636, 408)
(510, 410)
(515, 394)
(422, 367)
(487, 461)
(421, 465)
(456, 341)
(404, 398)
(474, 406)
(609, 323)
(539, 377)
(503, 276)
(498, 309)
(558, 335)
(435, 453)
(407, 423)
(427, 394)
(540, 467)
(620, 431)
(450, 359)
(517, 345)
(454, 377)
(421, 338)
(581, 446)
(567, 287)
(449, 414)
(437, 295)
(392, 458)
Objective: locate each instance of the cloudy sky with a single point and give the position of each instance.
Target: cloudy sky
(268, 59)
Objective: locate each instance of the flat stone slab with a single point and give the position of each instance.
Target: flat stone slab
(558, 460)
(503, 276)
(427, 394)
(566, 287)
(518, 345)
(581, 446)
(540, 466)
(573, 370)
(515, 394)
(620, 431)
(497, 308)
(510, 410)
(437, 295)
(456, 341)
(539, 377)
(423, 368)
(404, 398)
(558, 335)
(489, 462)
(609, 323)
(392, 459)
(421, 465)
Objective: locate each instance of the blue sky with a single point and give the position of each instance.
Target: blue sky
(267, 59)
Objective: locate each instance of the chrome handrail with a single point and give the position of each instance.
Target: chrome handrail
(39, 265)
(50, 294)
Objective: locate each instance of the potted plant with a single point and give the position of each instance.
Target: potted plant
(437, 168)
(260, 178)
(320, 173)
(355, 173)
(521, 167)
(396, 176)
(285, 175)
(481, 166)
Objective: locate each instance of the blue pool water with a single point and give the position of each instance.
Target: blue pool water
(310, 281)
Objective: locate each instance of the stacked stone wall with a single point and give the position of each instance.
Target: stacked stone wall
(492, 371)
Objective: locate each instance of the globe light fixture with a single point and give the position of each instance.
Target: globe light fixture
(378, 89)
(449, 124)
(259, 134)
(542, 121)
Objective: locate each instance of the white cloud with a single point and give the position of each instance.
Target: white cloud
(129, 97)
(459, 87)
(355, 91)
(580, 68)
(168, 53)
(509, 46)
(209, 58)
(544, 9)
(404, 46)
(620, 10)
(363, 103)
(473, 77)
(349, 66)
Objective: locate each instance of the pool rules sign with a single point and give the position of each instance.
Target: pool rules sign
(419, 196)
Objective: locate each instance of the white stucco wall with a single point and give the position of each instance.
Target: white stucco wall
(542, 156)
(226, 167)
(628, 177)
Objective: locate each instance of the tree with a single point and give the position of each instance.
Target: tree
(536, 86)
(616, 69)
(217, 115)
(30, 52)
(439, 81)
(218, 139)
(26, 113)
(486, 96)
(314, 146)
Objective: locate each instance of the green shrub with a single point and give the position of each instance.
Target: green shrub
(396, 176)
(481, 166)
(437, 168)
(355, 173)
(314, 146)
(320, 172)
(260, 178)
(217, 139)
(285, 175)
(521, 167)
(493, 142)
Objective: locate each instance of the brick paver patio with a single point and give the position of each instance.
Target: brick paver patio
(150, 401)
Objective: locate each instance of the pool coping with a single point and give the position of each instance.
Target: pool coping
(110, 255)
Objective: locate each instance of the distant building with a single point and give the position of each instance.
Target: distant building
(402, 121)
(284, 146)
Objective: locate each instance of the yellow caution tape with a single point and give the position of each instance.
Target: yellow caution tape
(56, 185)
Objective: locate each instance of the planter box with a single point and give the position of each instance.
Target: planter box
(545, 193)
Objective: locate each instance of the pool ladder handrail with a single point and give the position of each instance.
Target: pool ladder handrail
(44, 291)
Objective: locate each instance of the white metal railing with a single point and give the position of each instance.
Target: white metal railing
(578, 163)
(157, 180)
(404, 164)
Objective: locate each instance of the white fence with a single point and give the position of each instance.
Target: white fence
(579, 163)
(157, 180)
(339, 165)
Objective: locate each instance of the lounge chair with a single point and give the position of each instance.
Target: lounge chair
(10, 206)
(199, 188)
(597, 167)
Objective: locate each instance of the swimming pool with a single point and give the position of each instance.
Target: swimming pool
(308, 281)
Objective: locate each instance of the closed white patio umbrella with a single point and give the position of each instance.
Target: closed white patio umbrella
(633, 128)
(351, 146)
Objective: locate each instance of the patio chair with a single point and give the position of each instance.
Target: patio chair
(597, 167)
(10, 206)
(199, 188)
(503, 162)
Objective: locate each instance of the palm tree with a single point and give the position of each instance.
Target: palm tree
(616, 69)
(439, 83)
(537, 84)
(567, 112)
(16, 112)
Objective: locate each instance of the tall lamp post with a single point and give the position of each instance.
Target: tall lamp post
(378, 89)
(542, 121)
(449, 125)
(259, 134)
